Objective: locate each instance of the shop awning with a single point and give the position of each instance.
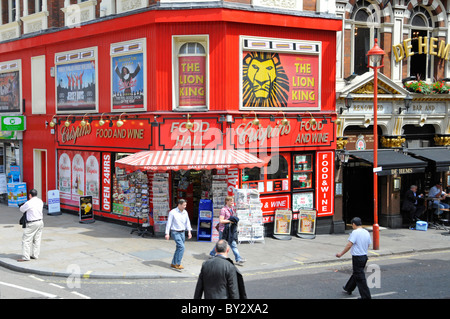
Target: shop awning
(189, 159)
(438, 156)
(392, 162)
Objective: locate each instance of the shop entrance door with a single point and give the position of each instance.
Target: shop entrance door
(191, 186)
(358, 193)
(40, 174)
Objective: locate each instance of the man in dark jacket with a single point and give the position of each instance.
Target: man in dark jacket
(219, 277)
(410, 205)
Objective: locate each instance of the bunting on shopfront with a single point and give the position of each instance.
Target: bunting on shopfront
(189, 159)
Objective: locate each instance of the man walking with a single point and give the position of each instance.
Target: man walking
(358, 244)
(177, 224)
(219, 278)
(32, 233)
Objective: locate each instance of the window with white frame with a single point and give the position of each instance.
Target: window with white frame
(420, 65)
(365, 18)
(190, 72)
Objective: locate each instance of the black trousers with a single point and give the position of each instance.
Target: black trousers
(358, 278)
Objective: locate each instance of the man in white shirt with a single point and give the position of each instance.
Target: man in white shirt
(177, 224)
(358, 244)
(438, 194)
(32, 233)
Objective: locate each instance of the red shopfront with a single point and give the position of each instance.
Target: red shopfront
(300, 170)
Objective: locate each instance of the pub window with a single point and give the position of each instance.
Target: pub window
(421, 26)
(364, 31)
(277, 168)
(190, 64)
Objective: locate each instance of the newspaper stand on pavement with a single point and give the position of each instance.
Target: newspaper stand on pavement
(248, 210)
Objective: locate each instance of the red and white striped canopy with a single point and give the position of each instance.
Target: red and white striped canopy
(189, 159)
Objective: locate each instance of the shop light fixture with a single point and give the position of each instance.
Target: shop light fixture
(284, 121)
(348, 101)
(408, 100)
(312, 120)
(52, 121)
(255, 121)
(67, 123)
(189, 124)
(83, 121)
(119, 121)
(101, 122)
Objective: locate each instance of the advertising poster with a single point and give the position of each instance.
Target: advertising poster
(128, 82)
(86, 211)
(325, 183)
(75, 87)
(283, 221)
(302, 201)
(54, 207)
(79, 175)
(306, 224)
(17, 194)
(192, 81)
(275, 79)
(10, 92)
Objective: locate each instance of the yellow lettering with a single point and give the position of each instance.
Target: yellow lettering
(433, 46)
(444, 50)
(408, 46)
(423, 44)
(398, 52)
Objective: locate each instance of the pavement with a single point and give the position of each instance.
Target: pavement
(108, 250)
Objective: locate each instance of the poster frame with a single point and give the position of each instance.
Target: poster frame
(123, 49)
(74, 57)
(10, 67)
(86, 217)
(282, 235)
(303, 214)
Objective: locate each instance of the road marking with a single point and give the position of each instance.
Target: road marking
(80, 295)
(29, 290)
(377, 295)
(36, 278)
(87, 274)
(55, 285)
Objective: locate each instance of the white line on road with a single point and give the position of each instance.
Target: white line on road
(378, 295)
(29, 290)
(80, 295)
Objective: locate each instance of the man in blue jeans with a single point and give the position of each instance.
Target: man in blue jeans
(177, 224)
(224, 218)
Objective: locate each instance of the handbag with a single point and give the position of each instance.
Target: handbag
(23, 220)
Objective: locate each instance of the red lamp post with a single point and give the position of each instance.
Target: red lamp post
(375, 62)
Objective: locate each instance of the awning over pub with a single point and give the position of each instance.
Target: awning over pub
(392, 162)
(189, 159)
(437, 156)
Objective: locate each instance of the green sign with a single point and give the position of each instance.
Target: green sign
(12, 123)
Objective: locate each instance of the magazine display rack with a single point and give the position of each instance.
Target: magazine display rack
(248, 210)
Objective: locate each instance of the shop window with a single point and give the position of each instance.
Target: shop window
(277, 168)
(272, 178)
(190, 72)
(421, 26)
(302, 176)
(364, 31)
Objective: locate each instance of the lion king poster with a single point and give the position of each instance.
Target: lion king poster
(280, 80)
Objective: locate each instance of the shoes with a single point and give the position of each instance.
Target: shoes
(346, 291)
(177, 267)
(241, 262)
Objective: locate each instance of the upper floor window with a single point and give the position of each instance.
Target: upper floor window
(421, 26)
(365, 29)
(190, 73)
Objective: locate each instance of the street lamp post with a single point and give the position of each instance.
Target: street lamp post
(375, 62)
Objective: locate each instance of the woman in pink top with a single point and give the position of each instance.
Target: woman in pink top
(226, 212)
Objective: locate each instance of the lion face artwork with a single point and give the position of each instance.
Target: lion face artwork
(265, 83)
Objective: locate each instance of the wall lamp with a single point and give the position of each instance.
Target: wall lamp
(101, 122)
(348, 101)
(284, 121)
(119, 122)
(312, 120)
(255, 120)
(83, 121)
(52, 121)
(408, 100)
(189, 124)
(67, 123)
